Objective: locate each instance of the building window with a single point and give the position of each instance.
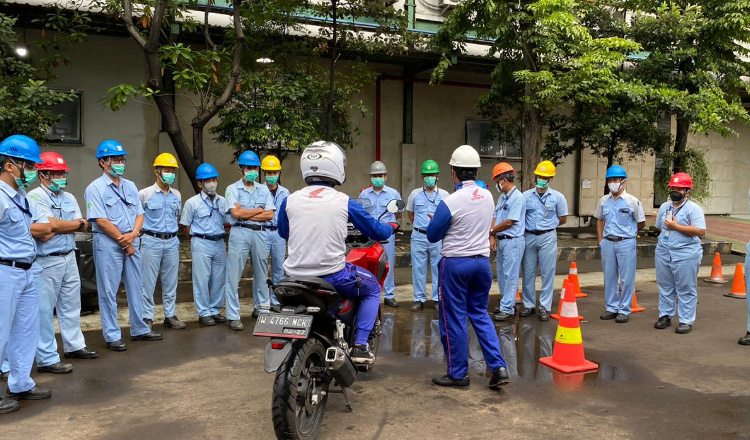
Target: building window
(496, 139)
(68, 129)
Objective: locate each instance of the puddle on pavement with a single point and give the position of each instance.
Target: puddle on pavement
(522, 342)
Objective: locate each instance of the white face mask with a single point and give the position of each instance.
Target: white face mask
(614, 187)
(210, 188)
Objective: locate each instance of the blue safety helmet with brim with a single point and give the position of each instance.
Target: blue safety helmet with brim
(206, 171)
(110, 148)
(19, 146)
(248, 159)
(616, 171)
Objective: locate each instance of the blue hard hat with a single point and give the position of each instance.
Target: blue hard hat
(206, 171)
(249, 159)
(21, 147)
(110, 148)
(616, 171)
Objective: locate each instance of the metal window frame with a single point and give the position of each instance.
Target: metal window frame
(72, 142)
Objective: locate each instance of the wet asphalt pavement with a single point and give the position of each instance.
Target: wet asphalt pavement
(208, 382)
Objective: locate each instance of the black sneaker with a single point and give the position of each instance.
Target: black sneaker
(417, 306)
(745, 340)
(663, 322)
(543, 314)
(219, 318)
(683, 328)
(149, 322)
(207, 320)
(526, 311)
(502, 316)
(606, 316)
(361, 354)
(446, 381)
(390, 302)
(622, 318)
(499, 378)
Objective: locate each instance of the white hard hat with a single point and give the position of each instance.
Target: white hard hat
(378, 167)
(323, 161)
(465, 156)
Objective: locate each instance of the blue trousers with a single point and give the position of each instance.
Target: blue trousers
(356, 282)
(678, 280)
(618, 265)
(209, 275)
(540, 250)
(112, 266)
(59, 287)
(277, 249)
(747, 283)
(390, 279)
(465, 293)
(156, 253)
(19, 325)
(244, 242)
(509, 255)
(422, 252)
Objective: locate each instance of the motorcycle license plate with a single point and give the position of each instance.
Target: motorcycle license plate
(277, 325)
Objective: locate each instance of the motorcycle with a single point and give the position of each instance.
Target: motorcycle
(311, 335)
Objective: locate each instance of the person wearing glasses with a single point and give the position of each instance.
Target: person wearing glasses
(114, 209)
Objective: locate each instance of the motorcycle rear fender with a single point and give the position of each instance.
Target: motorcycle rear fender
(274, 357)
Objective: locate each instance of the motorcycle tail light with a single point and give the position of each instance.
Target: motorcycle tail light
(278, 345)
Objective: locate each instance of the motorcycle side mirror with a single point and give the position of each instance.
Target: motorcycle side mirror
(395, 206)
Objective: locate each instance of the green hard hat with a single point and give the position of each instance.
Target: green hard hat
(430, 167)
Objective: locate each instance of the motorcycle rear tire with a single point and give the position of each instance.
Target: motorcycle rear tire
(290, 421)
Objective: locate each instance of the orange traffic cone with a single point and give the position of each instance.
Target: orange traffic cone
(575, 285)
(565, 288)
(518, 297)
(738, 283)
(635, 308)
(567, 356)
(717, 277)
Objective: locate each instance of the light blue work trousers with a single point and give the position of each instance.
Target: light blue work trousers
(507, 265)
(19, 326)
(422, 253)
(390, 279)
(165, 254)
(209, 275)
(618, 266)
(678, 282)
(539, 250)
(244, 242)
(277, 250)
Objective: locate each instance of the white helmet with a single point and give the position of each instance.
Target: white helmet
(465, 156)
(378, 167)
(323, 161)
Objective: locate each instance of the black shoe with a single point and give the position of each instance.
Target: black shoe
(83, 353)
(745, 340)
(622, 318)
(117, 345)
(526, 311)
(417, 306)
(219, 318)
(236, 325)
(58, 368)
(4, 375)
(502, 316)
(8, 406)
(207, 320)
(683, 328)
(543, 314)
(256, 313)
(446, 381)
(150, 336)
(499, 378)
(497, 309)
(173, 322)
(36, 393)
(361, 354)
(391, 302)
(149, 322)
(663, 322)
(608, 315)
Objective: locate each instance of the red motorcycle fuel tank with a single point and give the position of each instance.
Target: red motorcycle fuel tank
(372, 258)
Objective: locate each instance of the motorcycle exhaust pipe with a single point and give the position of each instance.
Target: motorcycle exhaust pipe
(341, 367)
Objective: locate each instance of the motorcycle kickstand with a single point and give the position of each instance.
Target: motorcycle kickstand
(342, 390)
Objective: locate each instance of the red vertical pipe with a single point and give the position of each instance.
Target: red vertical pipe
(377, 117)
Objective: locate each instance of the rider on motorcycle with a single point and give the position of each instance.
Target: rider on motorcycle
(314, 221)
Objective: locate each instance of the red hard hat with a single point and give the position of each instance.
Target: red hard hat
(52, 161)
(681, 180)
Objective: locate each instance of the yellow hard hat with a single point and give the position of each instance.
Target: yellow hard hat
(545, 169)
(165, 160)
(270, 163)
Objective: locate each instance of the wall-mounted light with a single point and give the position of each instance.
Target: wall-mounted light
(22, 51)
(264, 60)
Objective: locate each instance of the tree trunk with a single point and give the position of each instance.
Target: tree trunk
(334, 41)
(680, 142)
(610, 158)
(533, 125)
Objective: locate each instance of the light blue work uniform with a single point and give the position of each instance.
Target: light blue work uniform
(510, 245)
(276, 244)
(377, 202)
(161, 212)
(247, 237)
(19, 300)
(205, 218)
(747, 279)
(120, 205)
(542, 218)
(58, 283)
(618, 247)
(421, 202)
(678, 258)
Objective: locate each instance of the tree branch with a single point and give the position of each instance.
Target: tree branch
(209, 41)
(127, 17)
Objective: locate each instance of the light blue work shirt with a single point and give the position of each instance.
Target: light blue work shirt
(377, 202)
(120, 205)
(257, 197)
(281, 195)
(422, 202)
(204, 216)
(680, 246)
(511, 206)
(62, 206)
(621, 216)
(543, 210)
(161, 211)
(16, 216)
